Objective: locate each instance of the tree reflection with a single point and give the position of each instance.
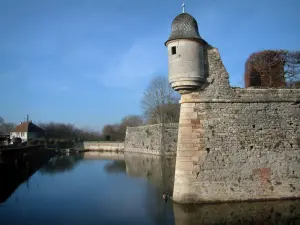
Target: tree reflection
(14, 174)
(10, 179)
(116, 166)
(61, 164)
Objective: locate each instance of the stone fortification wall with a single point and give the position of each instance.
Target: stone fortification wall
(237, 144)
(144, 139)
(169, 138)
(103, 146)
(157, 139)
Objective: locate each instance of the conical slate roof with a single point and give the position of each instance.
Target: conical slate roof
(184, 26)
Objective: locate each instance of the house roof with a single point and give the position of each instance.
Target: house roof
(27, 127)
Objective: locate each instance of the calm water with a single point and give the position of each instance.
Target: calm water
(106, 188)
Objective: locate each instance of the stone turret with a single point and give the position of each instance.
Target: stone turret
(185, 54)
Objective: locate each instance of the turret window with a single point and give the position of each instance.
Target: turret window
(173, 50)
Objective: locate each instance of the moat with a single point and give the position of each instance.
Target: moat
(111, 188)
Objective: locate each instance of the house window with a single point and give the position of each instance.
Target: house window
(173, 50)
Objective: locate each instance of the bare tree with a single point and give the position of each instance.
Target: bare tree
(5, 127)
(132, 120)
(68, 131)
(128, 121)
(157, 96)
(1, 120)
(117, 132)
(292, 68)
(110, 132)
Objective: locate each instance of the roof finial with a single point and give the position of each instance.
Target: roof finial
(183, 6)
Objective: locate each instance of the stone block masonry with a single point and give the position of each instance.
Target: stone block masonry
(237, 144)
(157, 139)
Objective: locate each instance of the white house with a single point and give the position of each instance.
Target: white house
(27, 131)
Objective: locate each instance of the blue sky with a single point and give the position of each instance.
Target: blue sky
(88, 62)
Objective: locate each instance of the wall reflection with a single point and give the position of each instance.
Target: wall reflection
(116, 166)
(271, 212)
(159, 170)
(104, 155)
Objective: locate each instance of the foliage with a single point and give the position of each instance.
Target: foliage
(273, 68)
(160, 102)
(265, 69)
(63, 132)
(110, 132)
(117, 132)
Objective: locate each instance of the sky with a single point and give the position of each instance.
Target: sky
(88, 62)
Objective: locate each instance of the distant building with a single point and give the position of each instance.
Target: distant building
(27, 131)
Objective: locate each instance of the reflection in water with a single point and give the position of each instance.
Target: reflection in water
(61, 164)
(134, 196)
(115, 166)
(13, 173)
(10, 178)
(158, 170)
(271, 212)
(103, 155)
